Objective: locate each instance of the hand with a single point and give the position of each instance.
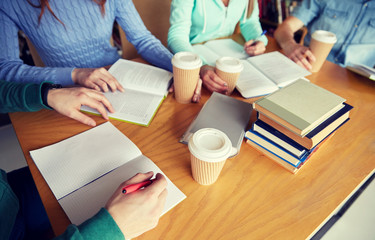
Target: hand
(300, 55)
(96, 78)
(197, 92)
(68, 102)
(138, 212)
(212, 81)
(254, 48)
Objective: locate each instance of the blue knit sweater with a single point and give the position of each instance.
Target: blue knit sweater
(82, 42)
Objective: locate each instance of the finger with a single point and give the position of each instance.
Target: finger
(303, 60)
(158, 185)
(197, 92)
(109, 79)
(310, 56)
(77, 115)
(101, 98)
(171, 89)
(93, 103)
(248, 43)
(139, 177)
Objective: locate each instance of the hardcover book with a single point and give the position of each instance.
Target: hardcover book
(300, 106)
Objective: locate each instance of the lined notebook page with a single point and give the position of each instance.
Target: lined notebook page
(87, 201)
(77, 161)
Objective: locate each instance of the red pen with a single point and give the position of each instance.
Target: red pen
(136, 186)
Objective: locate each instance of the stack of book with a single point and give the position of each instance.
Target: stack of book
(295, 121)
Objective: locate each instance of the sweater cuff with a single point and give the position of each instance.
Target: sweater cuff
(33, 97)
(64, 77)
(101, 226)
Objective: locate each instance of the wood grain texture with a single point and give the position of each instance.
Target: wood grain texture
(254, 198)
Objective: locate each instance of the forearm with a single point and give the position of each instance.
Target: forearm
(150, 48)
(284, 33)
(101, 226)
(19, 97)
(251, 28)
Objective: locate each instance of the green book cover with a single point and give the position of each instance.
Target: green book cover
(302, 104)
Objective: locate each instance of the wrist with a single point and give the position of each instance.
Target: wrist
(46, 87)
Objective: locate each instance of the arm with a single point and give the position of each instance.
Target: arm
(284, 35)
(150, 48)
(13, 69)
(67, 101)
(125, 216)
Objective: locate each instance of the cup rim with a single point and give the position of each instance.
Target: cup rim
(210, 155)
(179, 60)
(235, 67)
(324, 36)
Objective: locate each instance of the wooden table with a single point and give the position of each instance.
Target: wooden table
(253, 198)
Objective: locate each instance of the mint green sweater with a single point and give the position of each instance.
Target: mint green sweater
(196, 21)
(27, 97)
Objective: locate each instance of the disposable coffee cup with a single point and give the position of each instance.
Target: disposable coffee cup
(209, 149)
(186, 66)
(320, 45)
(229, 69)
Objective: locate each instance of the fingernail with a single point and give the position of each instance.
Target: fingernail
(225, 84)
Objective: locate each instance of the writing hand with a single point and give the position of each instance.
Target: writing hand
(254, 48)
(138, 212)
(96, 78)
(212, 81)
(68, 101)
(300, 55)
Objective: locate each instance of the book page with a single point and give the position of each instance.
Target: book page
(208, 55)
(253, 83)
(87, 201)
(79, 160)
(227, 48)
(277, 67)
(141, 77)
(132, 106)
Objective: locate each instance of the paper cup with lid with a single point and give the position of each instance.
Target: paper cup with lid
(209, 149)
(320, 45)
(186, 67)
(229, 69)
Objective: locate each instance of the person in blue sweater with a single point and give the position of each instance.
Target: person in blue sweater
(22, 212)
(72, 39)
(197, 21)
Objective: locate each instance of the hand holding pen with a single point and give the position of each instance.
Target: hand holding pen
(137, 203)
(255, 47)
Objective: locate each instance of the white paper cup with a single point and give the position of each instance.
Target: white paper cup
(229, 69)
(186, 67)
(209, 149)
(320, 45)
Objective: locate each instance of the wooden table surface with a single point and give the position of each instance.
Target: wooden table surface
(253, 198)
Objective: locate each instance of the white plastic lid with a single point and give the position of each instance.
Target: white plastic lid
(324, 36)
(229, 64)
(210, 145)
(186, 60)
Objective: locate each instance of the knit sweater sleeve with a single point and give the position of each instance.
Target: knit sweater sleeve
(20, 97)
(11, 66)
(101, 226)
(147, 45)
(251, 28)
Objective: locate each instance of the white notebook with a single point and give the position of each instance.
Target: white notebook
(84, 171)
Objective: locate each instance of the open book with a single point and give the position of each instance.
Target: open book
(215, 49)
(362, 70)
(262, 74)
(266, 73)
(145, 89)
(225, 113)
(84, 171)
